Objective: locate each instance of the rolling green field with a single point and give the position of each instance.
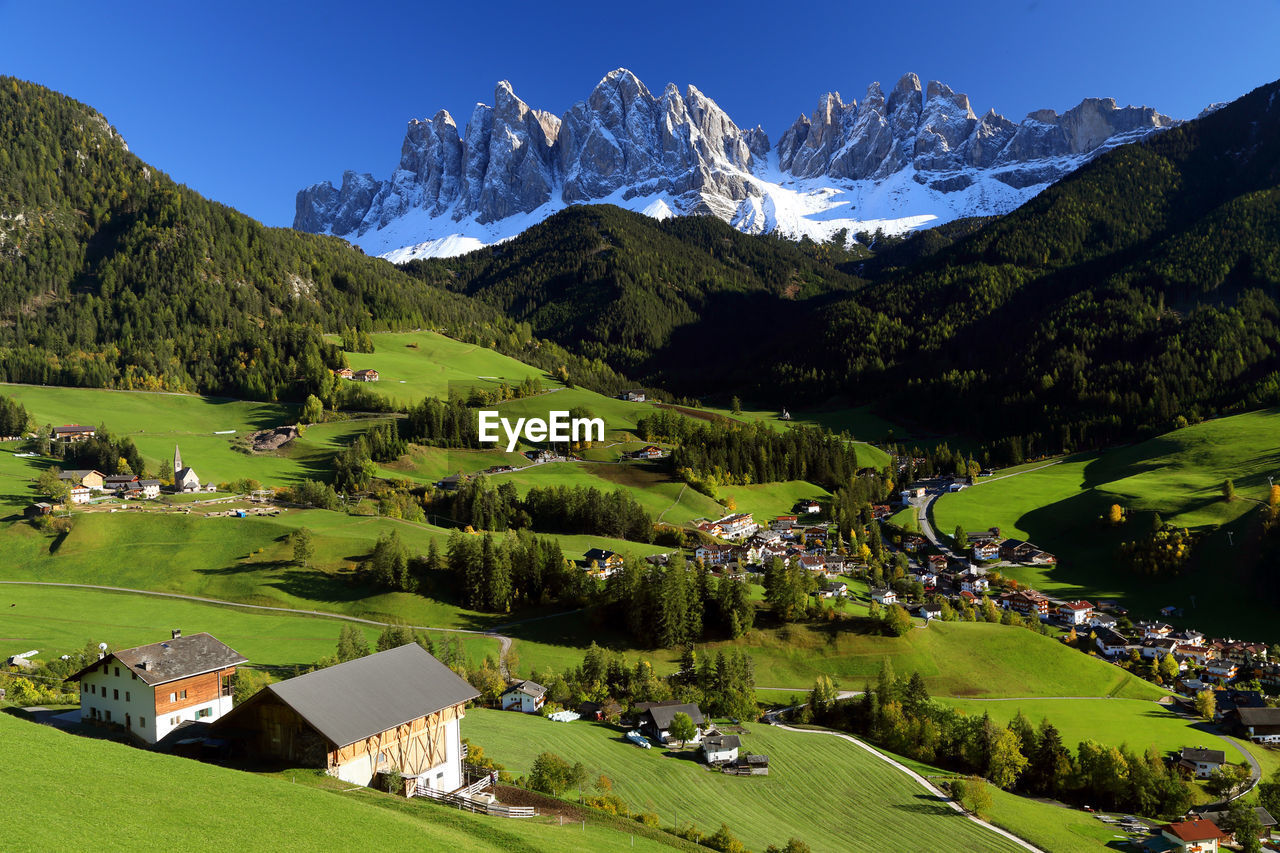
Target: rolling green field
(58, 620)
(157, 422)
(413, 365)
(1138, 722)
(957, 659)
(1052, 827)
(851, 799)
(168, 801)
(247, 560)
(769, 500)
(1178, 475)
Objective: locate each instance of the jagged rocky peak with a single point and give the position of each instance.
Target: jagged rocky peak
(676, 151)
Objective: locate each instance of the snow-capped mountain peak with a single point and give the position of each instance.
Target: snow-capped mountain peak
(919, 156)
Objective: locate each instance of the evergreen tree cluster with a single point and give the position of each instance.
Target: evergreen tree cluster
(14, 418)
(732, 452)
(552, 509)
(677, 604)
(496, 574)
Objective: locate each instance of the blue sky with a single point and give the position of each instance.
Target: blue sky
(248, 102)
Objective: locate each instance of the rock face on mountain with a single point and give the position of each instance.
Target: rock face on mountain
(680, 153)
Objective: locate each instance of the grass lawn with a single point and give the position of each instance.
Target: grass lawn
(57, 620)
(830, 793)
(168, 803)
(1139, 723)
(1178, 475)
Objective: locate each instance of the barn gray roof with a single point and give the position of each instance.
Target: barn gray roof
(181, 657)
(662, 715)
(367, 696)
(717, 743)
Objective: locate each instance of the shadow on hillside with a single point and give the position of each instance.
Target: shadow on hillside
(245, 568)
(317, 586)
(927, 804)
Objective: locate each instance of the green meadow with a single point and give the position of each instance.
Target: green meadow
(158, 422)
(1140, 723)
(58, 620)
(852, 800)
(1179, 475)
(248, 560)
(413, 365)
(66, 786)
(769, 500)
(956, 659)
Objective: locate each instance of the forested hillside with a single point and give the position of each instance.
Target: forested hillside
(1138, 290)
(113, 275)
(673, 302)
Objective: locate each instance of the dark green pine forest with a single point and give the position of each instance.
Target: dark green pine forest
(113, 275)
(1141, 291)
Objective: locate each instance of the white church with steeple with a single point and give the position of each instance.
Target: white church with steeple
(184, 479)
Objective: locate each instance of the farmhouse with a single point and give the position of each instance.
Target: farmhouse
(884, 595)
(1260, 725)
(911, 544)
(810, 507)
(118, 482)
(604, 559)
(366, 375)
(525, 696)
(1110, 643)
(986, 551)
(396, 710)
(1192, 836)
(1201, 762)
(150, 690)
(651, 451)
(655, 719)
(834, 589)
(738, 526)
(1221, 670)
(72, 432)
(149, 488)
(1102, 620)
(343, 372)
(632, 396)
(88, 478)
(720, 749)
(1075, 612)
(80, 494)
(1027, 602)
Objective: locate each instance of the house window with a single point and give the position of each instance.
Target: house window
(142, 722)
(182, 694)
(173, 697)
(173, 721)
(117, 672)
(204, 712)
(115, 694)
(126, 696)
(93, 689)
(108, 712)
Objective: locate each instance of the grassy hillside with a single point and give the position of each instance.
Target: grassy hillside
(1138, 722)
(1178, 475)
(957, 659)
(156, 422)
(170, 802)
(58, 620)
(851, 799)
(413, 365)
(246, 560)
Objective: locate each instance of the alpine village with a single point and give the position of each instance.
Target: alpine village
(922, 490)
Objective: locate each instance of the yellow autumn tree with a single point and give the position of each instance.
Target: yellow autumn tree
(1115, 515)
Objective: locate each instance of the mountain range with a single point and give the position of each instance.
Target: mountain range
(918, 156)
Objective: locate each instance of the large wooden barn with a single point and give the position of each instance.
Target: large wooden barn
(396, 710)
